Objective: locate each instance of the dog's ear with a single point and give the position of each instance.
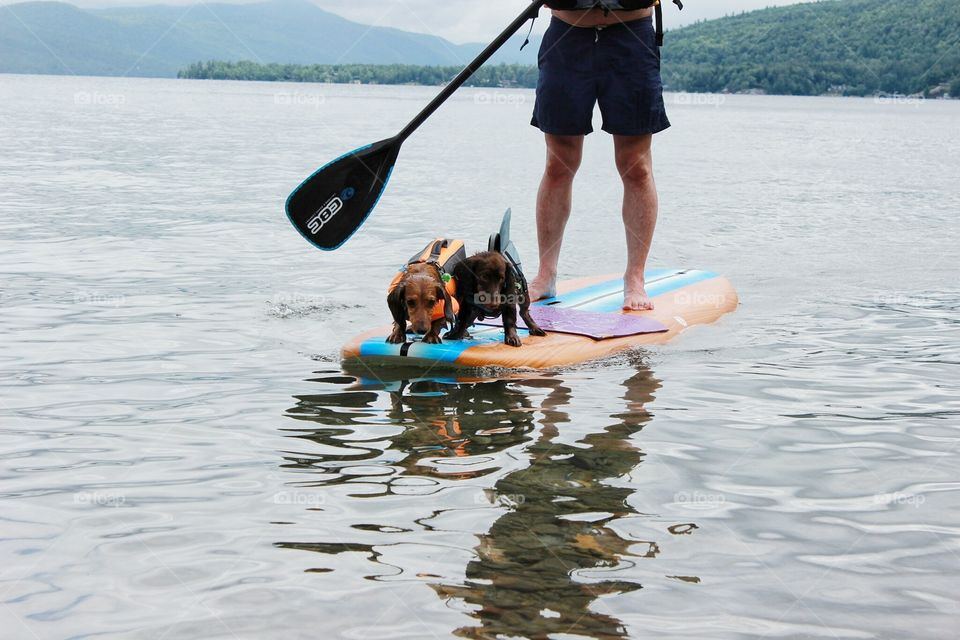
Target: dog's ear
(447, 304)
(510, 289)
(466, 281)
(397, 302)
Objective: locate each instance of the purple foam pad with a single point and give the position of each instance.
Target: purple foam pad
(599, 326)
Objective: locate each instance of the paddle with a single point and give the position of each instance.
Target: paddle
(331, 204)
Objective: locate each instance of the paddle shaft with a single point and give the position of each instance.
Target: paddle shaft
(463, 76)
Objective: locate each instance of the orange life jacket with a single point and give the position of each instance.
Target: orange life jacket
(444, 255)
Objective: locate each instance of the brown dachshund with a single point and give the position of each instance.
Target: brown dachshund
(488, 286)
(421, 298)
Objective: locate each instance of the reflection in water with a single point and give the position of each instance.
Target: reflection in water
(440, 419)
(524, 579)
(528, 574)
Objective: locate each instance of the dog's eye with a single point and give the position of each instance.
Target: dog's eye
(432, 301)
(411, 303)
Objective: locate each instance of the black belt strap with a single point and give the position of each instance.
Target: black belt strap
(659, 11)
(527, 41)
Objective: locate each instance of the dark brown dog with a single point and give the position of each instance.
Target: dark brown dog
(422, 299)
(487, 286)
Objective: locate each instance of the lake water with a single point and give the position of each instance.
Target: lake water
(183, 457)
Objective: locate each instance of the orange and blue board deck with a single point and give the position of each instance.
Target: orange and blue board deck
(682, 297)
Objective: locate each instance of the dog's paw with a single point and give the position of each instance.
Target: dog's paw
(462, 336)
(513, 340)
(537, 331)
(396, 338)
(432, 339)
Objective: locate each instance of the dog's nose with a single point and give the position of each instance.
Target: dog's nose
(421, 329)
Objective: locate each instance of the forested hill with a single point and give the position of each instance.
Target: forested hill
(840, 47)
(847, 47)
(844, 47)
(159, 40)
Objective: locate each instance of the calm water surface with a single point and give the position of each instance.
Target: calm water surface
(182, 455)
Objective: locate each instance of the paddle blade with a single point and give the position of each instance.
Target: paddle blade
(331, 204)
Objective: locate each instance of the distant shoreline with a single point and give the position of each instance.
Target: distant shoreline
(879, 97)
(506, 76)
(503, 76)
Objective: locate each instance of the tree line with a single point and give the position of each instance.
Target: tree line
(503, 75)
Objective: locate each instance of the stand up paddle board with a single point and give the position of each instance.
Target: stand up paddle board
(583, 322)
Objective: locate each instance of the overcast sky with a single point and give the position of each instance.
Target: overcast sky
(480, 20)
(464, 20)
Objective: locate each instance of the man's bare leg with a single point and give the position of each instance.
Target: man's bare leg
(635, 164)
(554, 201)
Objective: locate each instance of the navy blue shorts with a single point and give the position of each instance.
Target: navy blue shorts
(616, 66)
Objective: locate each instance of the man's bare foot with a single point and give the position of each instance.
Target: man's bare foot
(637, 301)
(635, 296)
(542, 287)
